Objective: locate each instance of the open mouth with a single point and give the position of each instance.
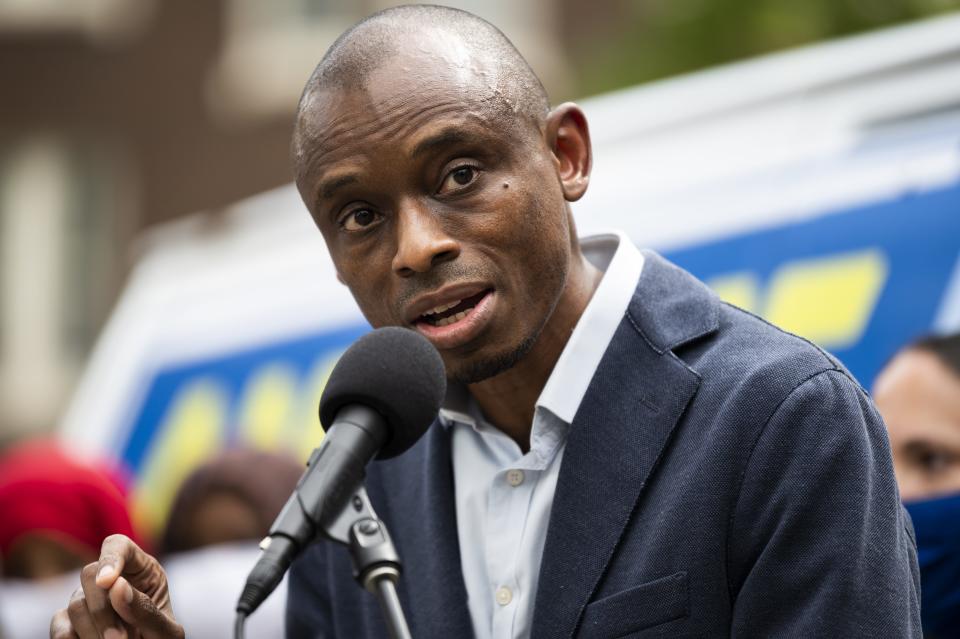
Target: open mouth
(455, 311)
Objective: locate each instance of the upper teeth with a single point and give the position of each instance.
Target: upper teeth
(456, 317)
(442, 308)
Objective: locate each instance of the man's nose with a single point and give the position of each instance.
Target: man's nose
(422, 243)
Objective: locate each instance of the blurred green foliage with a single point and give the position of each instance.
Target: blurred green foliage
(641, 40)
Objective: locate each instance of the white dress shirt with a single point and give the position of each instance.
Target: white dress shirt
(504, 497)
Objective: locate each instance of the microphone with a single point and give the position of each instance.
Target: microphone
(381, 397)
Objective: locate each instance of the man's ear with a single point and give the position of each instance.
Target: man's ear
(569, 140)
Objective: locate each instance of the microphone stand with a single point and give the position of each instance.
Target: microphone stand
(376, 564)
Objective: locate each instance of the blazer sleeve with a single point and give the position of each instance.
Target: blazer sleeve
(819, 543)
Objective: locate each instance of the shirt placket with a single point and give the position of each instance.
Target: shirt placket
(510, 496)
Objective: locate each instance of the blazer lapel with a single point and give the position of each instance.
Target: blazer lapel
(618, 435)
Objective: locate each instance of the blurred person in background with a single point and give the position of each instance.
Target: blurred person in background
(233, 497)
(220, 513)
(56, 511)
(918, 394)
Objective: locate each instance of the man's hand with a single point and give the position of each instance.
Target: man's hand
(124, 594)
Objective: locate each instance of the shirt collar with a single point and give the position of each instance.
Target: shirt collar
(615, 255)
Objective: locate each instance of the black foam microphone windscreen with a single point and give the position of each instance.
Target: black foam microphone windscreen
(382, 395)
(396, 371)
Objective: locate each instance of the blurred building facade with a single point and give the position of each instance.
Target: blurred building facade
(817, 189)
(121, 114)
(117, 115)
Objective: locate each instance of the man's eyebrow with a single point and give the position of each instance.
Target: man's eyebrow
(329, 187)
(446, 137)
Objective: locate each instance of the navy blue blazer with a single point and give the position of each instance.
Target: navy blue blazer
(721, 478)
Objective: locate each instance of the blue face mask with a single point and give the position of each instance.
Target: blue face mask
(937, 524)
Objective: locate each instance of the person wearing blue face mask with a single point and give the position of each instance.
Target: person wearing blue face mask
(918, 395)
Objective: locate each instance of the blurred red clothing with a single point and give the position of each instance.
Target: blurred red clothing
(44, 491)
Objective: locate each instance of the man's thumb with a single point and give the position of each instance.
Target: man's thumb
(140, 611)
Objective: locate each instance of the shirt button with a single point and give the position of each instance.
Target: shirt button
(514, 477)
(504, 595)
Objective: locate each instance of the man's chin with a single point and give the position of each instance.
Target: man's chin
(482, 368)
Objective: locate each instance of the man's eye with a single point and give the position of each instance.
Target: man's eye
(463, 175)
(358, 220)
(459, 177)
(930, 459)
(935, 462)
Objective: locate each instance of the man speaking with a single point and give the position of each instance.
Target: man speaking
(619, 453)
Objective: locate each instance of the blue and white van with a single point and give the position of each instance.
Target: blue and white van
(819, 188)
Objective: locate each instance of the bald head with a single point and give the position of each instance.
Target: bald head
(433, 40)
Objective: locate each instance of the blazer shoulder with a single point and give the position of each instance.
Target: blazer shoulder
(743, 362)
(675, 312)
(764, 348)
(749, 367)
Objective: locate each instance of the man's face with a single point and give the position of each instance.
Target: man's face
(442, 210)
(919, 399)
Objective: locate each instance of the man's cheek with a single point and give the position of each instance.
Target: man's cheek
(379, 308)
(370, 304)
(373, 313)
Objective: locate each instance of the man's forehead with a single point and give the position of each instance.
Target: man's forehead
(396, 103)
(451, 70)
(357, 115)
(409, 78)
(339, 164)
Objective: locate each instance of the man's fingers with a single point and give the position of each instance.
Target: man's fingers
(108, 603)
(81, 624)
(140, 611)
(60, 626)
(92, 606)
(119, 554)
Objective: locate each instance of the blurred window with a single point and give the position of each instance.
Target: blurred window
(90, 238)
(59, 232)
(255, 13)
(269, 49)
(99, 19)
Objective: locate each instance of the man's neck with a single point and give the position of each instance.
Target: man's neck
(509, 399)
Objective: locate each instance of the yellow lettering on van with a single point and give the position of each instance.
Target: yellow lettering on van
(307, 431)
(741, 289)
(267, 402)
(829, 300)
(192, 431)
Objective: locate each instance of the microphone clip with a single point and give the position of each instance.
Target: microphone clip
(376, 564)
(365, 535)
